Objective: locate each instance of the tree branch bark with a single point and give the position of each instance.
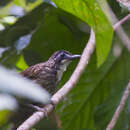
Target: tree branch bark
(126, 18)
(121, 33)
(37, 116)
(57, 97)
(119, 108)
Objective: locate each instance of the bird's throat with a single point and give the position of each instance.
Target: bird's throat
(61, 71)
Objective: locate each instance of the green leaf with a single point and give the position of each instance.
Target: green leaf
(59, 31)
(95, 88)
(22, 27)
(91, 12)
(4, 2)
(9, 58)
(21, 63)
(92, 103)
(4, 116)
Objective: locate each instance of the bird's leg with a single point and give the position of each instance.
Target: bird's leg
(53, 115)
(37, 108)
(53, 104)
(42, 109)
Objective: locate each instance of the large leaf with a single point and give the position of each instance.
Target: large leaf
(43, 18)
(23, 25)
(90, 12)
(97, 86)
(58, 31)
(16, 32)
(93, 101)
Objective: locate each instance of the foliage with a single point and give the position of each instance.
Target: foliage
(41, 28)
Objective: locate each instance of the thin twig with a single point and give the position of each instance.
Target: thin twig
(126, 18)
(127, 91)
(37, 116)
(121, 33)
(119, 108)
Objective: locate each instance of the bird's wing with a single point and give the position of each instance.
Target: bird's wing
(32, 72)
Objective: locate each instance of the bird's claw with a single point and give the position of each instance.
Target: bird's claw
(37, 108)
(53, 104)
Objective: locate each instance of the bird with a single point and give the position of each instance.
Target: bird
(48, 74)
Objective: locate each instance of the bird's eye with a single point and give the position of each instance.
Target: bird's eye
(62, 55)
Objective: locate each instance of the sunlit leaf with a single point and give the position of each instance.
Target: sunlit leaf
(21, 63)
(4, 116)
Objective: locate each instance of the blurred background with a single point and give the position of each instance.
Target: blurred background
(32, 30)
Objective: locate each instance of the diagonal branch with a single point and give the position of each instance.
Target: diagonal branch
(121, 33)
(37, 116)
(119, 108)
(119, 30)
(126, 18)
(78, 71)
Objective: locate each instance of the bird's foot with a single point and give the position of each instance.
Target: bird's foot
(41, 109)
(37, 108)
(53, 104)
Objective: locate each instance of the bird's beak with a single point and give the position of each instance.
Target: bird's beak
(71, 57)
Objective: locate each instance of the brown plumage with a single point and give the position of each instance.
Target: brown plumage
(48, 74)
(44, 74)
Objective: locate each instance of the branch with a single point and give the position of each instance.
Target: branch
(120, 31)
(127, 91)
(78, 71)
(37, 116)
(119, 108)
(122, 35)
(126, 18)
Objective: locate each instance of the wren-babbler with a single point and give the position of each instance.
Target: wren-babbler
(48, 74)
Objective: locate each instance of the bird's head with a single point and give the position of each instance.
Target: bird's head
(63, 58)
